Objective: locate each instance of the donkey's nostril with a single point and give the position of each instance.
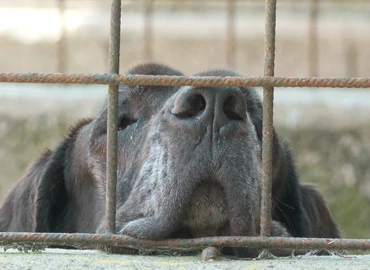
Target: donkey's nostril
(231, 108)
(189, 107)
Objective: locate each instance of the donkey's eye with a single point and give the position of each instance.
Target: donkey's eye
(124, 122)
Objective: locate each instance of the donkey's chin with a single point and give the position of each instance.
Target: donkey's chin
(206, 214)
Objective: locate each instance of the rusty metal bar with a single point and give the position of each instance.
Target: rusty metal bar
(112, 123)
(313, 44)
(82, 240)
(230, 34)
(62, 44)
(148, 30)
(268, 110)
(129, 79)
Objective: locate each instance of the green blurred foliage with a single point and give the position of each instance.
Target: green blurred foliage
(22, 140)
(337, 162)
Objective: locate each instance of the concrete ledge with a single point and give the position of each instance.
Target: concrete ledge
(91, 259)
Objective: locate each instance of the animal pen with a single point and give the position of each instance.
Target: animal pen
(114, 79)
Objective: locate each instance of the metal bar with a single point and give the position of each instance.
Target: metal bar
(230, 34)
(148, 33)
(313, 46)
(129, 79)
(112, 123)
(62, 44)
(82, 240)
(268, 110)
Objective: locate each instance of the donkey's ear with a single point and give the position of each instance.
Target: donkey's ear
(321, 222)
(51, 198)
(37, 202)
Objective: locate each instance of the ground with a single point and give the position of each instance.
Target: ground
(73, 259)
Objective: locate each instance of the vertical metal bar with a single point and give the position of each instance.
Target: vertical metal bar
(148, 32)
(267, 129)
(111, 174)
(313, 46)
(62, 44)
(230, 34)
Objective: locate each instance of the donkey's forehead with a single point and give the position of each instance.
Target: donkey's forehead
(145, 94)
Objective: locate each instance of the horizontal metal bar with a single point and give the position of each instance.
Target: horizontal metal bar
(82, 240)
(128, 79)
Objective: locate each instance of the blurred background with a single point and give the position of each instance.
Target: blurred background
(328, 129)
